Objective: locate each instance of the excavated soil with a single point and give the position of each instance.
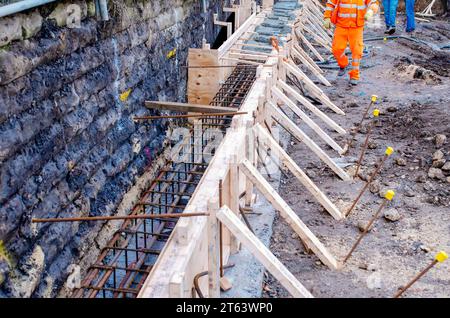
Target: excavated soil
(413, 85)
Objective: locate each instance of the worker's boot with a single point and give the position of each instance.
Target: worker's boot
(342, 71)
(390, 31)
(353, 82)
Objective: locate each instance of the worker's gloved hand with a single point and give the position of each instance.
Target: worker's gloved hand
(327, 23)
(369, 15)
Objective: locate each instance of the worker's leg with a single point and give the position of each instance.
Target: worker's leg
(339, 45)
(387, 12)
(356, 43)
(410, 19)
(393, 12)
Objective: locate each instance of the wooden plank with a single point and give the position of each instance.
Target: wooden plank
(241, 61)
(213, 251)
(311, 67)
(323, 135)
(309, 45)
(299, 173)
(247, 56)
(317, 38)
(246, 26)
(302, 137)
(186, 251)
(315, 91)
(185, 107)
(331, 123)
(298, 50)
(233, 203)
(203, 83)
(289, 215)
(263, 254)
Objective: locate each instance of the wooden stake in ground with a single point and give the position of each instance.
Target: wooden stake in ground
(388, 153)
(440, 258)
(376, 113)
(388, 197)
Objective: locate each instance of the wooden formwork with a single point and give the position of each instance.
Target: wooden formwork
(229, 181)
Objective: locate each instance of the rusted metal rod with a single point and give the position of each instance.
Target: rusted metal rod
(244, 217)
(374, 99)
(112, 218)
(376, 113)
(219, 66)
(440, 258)
(202, 274)
(364, 233)
(388, 153)
(189, 116)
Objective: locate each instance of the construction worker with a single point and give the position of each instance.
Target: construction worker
(349, 17)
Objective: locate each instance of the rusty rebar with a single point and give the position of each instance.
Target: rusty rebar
(366, 230)
(202, 274)
(126, 217)
(244, 217)
(415, 279)
(364, 148)
(218, 66)
(368, 183)
(189, 116)
(358, 127)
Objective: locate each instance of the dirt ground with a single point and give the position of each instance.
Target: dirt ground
(414, 104)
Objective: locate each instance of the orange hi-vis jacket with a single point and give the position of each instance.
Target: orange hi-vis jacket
(348, 13)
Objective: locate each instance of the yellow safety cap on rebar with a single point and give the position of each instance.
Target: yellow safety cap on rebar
(376, 113)
(124, 96)
(171, 54)
(441, 257)
(389, 151)
(389, 195)
(374, 98)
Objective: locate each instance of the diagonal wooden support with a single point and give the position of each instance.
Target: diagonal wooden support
(302, 38)
(299, 98)
(277, 94)
(289, 215)
(288, 162)
(262, 253)
(314, 90)
(309, 63)
(318, 26)
(300, 51)
(295, 131)
(314, 34)
(311, 67)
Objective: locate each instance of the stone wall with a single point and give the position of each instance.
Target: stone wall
(68, 145)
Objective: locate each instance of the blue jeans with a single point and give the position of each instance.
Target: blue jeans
(390, 12)
(410, 20)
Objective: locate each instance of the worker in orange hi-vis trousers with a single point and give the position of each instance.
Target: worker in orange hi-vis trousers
(349, 17)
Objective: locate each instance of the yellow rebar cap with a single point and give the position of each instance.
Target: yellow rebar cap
(374, 98)
(389, 151)
(171, 54)
(389, 195)
(124, 96)
(376, 113)
(441, 257)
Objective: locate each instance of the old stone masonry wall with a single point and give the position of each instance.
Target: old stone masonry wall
(69, 89)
